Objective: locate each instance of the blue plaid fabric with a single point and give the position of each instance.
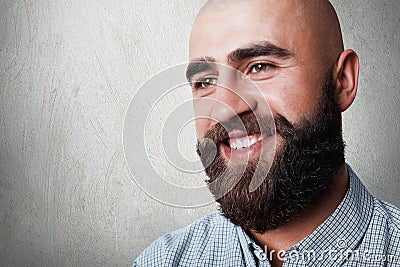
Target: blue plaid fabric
(363, 231)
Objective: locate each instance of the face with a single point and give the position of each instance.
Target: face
(277, 53)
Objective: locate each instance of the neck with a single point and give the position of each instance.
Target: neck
(292, 233)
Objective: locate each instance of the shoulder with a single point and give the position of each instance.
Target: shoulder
(383, 237)
(388, 215)
(385, 216)
(211, 234)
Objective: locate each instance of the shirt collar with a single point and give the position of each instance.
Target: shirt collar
(249, 248)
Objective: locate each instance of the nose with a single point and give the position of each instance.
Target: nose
(234, 95)
(230, 103)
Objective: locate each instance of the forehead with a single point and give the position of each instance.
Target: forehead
(219, 30)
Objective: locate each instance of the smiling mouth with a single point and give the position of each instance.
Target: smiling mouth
(239, 146)
(240, 143)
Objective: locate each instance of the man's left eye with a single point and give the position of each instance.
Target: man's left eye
(259, 67)
(204, 83)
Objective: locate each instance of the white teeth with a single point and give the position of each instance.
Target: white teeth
(239, 143)
(244, 142)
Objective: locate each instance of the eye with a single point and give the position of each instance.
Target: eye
(259, 67)
(204, 83)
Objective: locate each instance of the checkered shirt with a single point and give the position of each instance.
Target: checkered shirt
(362, 231)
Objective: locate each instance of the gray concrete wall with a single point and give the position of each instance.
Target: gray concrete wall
(68, 70)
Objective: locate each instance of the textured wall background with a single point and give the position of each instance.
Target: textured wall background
(68, 70)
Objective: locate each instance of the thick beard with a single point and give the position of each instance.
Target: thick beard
(302, 171)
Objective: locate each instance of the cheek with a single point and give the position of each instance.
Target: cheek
(202, 125)
(292, 93)
(200, 117)
(290, 99)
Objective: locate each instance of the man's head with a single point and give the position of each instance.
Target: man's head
(293, 51)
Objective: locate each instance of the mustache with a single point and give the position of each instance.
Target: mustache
(250, 123)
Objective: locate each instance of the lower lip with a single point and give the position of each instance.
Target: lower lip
(245, 154)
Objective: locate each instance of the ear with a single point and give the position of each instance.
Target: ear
(346, 78)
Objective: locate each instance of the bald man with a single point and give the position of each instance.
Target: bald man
(308, 207)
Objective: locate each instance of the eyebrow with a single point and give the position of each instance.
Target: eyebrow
(259, 49)
(198, 65)
(248, 51)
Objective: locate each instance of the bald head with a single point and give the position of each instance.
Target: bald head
(308, 22)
